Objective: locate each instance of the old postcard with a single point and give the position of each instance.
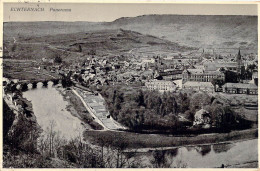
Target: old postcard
(129, 85)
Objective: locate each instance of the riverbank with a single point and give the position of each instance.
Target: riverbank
(19, 105)
(146, 141)
(77, 109)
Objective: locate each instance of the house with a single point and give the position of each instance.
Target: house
(202, 117)
(199, 86)
(160, 85)
(240, 88)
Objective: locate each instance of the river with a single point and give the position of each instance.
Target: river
(50, 107)
(204, 156)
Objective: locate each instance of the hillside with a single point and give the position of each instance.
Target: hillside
(197, 31)
(192, 31)
(78, 45)
(34, 29)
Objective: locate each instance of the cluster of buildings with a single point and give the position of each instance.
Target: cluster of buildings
(207, 75)
(196, 72)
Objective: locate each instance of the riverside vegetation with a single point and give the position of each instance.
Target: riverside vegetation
(26, 146)
(145, 110)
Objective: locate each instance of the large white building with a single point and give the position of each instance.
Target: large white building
(200, 75)
(199, 86)
(160, 85)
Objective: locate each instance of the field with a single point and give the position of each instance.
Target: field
(25, 70)
(135, 140)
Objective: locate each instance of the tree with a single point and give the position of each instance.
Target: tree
(217, 82)
(199, 99)
(231, 77)
(14, 47)
(57, 59)
(140, 98)
(92, 52)
(159, 158)
(24, 134)
(80, 48)
(217, 115)
(76, 77)
(80, 79)
(8, 119)
(24, 87)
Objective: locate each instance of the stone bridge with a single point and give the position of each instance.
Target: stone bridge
(25, 85)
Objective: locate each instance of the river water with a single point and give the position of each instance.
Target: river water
(204, 156)
(50, 108)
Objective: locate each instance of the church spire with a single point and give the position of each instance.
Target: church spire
(239, 55)
(239, 62)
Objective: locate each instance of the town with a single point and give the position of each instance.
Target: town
(208, 72)
(232, 74)
(110, 98)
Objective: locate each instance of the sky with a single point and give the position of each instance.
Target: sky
(97, 12)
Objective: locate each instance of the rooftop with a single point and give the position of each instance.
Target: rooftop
(240, 85)
(195, 84)
(195, 71)
(201, 112)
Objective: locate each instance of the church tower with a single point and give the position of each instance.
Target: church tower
(239, 62)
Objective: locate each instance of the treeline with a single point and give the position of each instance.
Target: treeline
(151, 110)
(54, 151)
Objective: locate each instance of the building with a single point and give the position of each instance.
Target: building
(202, 117)
(200, 75)
(237, 66)
(239, 63)
(171, 74)
(199, 86)
(255, 75)
(160, 85)
(240, 88)
(213, 66)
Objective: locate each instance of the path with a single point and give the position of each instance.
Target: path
(89, 110)
(95, 105)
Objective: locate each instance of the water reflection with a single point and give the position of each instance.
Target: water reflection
(220, 148)
(173, 152)
(206, 156)
(203, 150)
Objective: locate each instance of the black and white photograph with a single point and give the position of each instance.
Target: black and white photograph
(129, 85)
